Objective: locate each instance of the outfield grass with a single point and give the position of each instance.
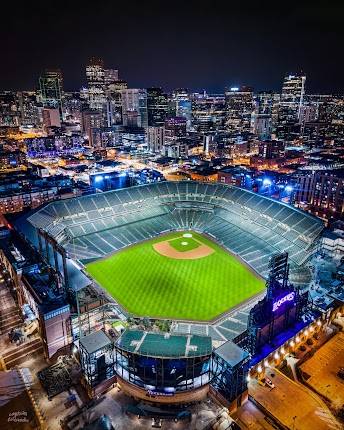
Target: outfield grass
(149, 284)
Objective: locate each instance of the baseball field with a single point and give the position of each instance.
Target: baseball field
(180, 275)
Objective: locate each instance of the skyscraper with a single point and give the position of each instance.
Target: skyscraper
(29, 112)
(183, 104)
(207, 112)
(155, 138)
(292, 97)
(114, 102)
(134, 107)
(175, 128)
(290, 107)
(157, 107)
(95, 75)
(239, 108)
(51, 89)
(91, 121)
(110, 76)
(265, 114)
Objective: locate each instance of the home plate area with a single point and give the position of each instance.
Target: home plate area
(185, 247)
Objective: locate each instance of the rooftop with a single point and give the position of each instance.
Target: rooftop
(231, 353)
(18, 253)
(165, 345)
(94, 341)
(43, 286)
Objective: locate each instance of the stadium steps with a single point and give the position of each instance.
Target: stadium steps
(215, 334)
(227, 334)
(20, 353)
(198, 329)
(80, 252)
(9, 319)
(233, 325)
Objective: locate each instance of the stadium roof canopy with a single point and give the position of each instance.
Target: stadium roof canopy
(165, 345)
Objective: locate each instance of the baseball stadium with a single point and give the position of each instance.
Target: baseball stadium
(177, 250)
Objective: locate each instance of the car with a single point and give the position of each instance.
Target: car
(269, 383)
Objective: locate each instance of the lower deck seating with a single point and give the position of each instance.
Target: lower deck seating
(251, 226)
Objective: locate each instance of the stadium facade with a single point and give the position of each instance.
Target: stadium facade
(274, 239)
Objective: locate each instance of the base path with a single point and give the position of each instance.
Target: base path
(164, 248)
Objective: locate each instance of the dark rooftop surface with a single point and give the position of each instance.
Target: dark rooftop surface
(231, 353)
(95, 341)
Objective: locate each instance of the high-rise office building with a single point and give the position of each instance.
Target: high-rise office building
(272, 149)
(292, 97)
(51, 89)
(114, 102)
(51, 117)
(110, 76)
(239, 108)
(175, 128)
(73, 105)
(155, 138)
(183, 104)
(91, 121)
(290, 107)
(321, 193)
(95, 75)
(9, 112)
(261, 126)
(134, 107)
(29, 112)
(208, 112)
(157, 107)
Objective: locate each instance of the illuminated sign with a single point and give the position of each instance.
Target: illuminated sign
(287, 298)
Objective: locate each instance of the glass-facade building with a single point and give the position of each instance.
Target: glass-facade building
(163, 364)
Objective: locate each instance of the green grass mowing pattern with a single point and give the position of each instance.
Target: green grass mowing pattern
(149, 284)
(177, 244)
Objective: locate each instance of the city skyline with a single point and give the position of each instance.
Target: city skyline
(198, 48)
(172, 216)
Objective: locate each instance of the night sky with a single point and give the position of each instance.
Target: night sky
(197, 45)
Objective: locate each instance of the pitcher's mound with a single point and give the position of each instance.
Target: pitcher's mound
(164, 248)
